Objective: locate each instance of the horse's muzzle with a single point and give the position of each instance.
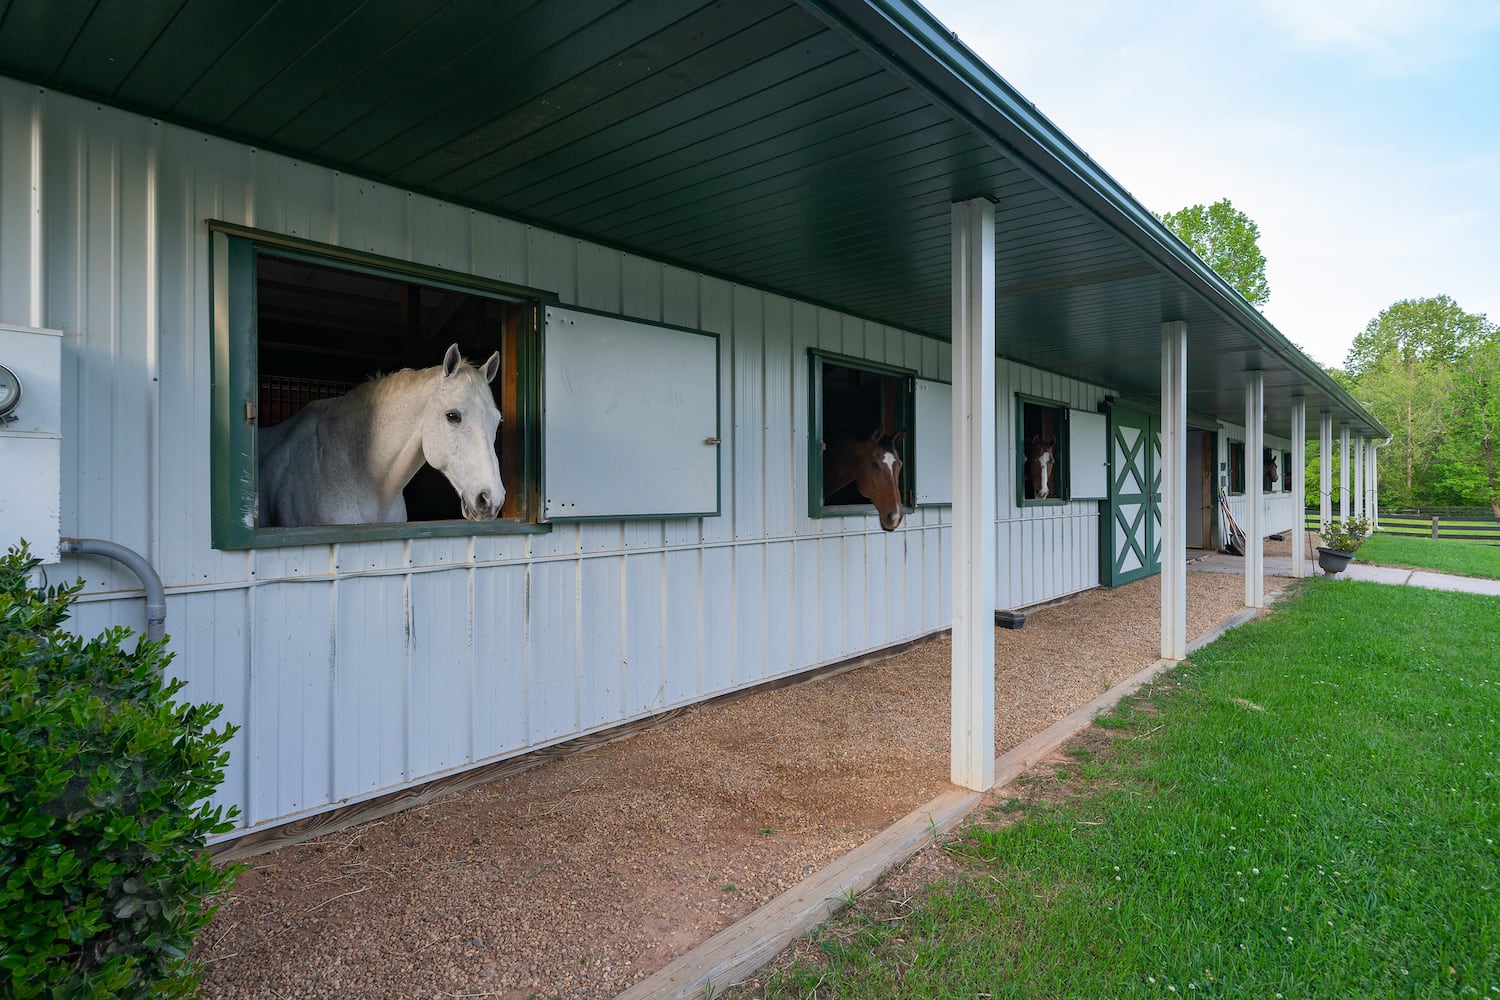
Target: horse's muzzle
(892, 521)
(481, 508)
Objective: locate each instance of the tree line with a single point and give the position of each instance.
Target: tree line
(1425, 368)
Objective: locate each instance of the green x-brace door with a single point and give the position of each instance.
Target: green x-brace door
(1132, 531)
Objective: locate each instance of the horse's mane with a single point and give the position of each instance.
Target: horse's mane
(383, 385)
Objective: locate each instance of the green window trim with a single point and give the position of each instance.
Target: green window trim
(817, 358)
(233, 255)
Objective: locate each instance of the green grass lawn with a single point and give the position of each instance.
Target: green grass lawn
(1444, 556)
(1307, 808)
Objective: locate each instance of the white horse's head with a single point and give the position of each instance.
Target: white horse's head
(458, 434)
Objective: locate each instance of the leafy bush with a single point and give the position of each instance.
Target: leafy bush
(1346, 537)
(103, 814)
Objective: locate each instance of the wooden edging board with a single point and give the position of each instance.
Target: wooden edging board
(743, 947)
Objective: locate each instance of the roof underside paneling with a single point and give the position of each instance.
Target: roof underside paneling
(812, 148)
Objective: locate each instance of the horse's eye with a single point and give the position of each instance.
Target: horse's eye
(455, 417)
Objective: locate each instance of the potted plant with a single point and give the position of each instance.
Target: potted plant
(1342, 540)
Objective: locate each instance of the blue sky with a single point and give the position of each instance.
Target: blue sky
(1362, 136)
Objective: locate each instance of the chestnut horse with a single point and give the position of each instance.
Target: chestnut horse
(1041, 466)
(873, 465)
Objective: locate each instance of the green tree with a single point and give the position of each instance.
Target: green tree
(1412, 332)
(1228, 241)
(1469, 467)
(1402, 366)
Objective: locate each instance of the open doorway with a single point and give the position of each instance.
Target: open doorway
(1201, 452)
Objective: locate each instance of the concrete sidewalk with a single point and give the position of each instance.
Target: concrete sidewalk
(1420, 578)
(1220, 562)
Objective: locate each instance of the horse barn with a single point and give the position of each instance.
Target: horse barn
(697, 240)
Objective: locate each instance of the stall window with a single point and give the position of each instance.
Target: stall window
(1042, 455)
(1237, 467)
(855, 402)
(296, 322)
(1271, 471)
(1286, 472)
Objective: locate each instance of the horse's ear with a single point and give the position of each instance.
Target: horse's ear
(877, 434)
(896, 437)
(491, 367)
(451, 361)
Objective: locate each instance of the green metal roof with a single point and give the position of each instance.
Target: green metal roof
(809, 147)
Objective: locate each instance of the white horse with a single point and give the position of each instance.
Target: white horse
(346, 460)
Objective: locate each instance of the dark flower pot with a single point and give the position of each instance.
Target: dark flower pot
(1333, 561)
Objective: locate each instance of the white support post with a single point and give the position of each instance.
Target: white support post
(1370, 498)
(1255, 534)
(1299, 486)
(1357, 494)
(1174, 490)
(972, 760)
(1325, 467)
(1343, 472)
(1375, 483)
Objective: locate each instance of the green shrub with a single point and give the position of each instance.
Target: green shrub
(104, 782)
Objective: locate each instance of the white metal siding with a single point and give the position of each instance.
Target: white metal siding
(354, 669)
(1046, 551)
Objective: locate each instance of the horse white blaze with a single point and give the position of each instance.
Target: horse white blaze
(1045, 489)
(891, 516)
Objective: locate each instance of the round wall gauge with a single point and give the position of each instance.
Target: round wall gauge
(10, 391)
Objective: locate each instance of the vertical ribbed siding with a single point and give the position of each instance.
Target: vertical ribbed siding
(17, 183)
(1045, 551)
(363, 667)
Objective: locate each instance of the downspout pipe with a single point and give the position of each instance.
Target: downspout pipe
(156, 595)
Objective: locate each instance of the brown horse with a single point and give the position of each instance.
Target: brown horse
(873, 465)
(1041, 466)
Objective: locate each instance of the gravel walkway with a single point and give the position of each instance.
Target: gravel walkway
(582, 876)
